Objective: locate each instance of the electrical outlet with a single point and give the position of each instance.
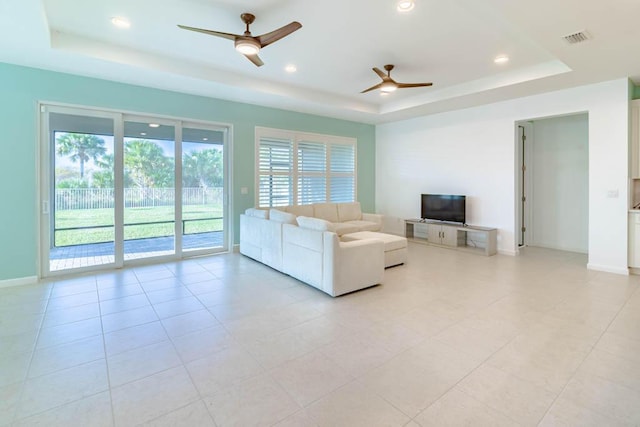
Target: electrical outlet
(244, 190)
(612, 194)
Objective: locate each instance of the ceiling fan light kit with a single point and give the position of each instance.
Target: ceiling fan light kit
(247, 46)
(405, 5)
(120, 22)
(388, 87)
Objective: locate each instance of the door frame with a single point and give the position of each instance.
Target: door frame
(45, 182)
(525, 213)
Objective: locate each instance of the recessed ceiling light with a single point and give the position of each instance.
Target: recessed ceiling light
(154, 125)
(291, 68)
(205, 139)
(143, 133)
(120, 22)
(501, 59)
(405, 5)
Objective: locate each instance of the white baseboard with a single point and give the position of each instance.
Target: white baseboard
(235, 249)
(510, 253)
(21, 281)
(609, 269)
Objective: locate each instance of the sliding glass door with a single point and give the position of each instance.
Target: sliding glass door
(203, 184)
(149, 189)
(119, 189)
(79, 191)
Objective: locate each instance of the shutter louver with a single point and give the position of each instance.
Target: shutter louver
(312, 167)
(312, 157)
(342, 189)
(275, 190)
(275, 164)
(343, 158)
(312, 189)
(343, 166)
(276, 156)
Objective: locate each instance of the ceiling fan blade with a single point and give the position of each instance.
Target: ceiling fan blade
(255, 59)
(274, 36)
(404, 85)
(372, 88)
(379, 72)
(210, 32)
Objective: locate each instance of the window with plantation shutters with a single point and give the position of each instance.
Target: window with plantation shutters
(296, 168)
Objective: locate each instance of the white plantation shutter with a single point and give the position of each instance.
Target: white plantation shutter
(343, 189)
(275, 169)
(298, 169)
(312, 172)
(342, 176)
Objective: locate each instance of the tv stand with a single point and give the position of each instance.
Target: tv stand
(471, 238)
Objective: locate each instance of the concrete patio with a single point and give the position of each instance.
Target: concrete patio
(76, 256)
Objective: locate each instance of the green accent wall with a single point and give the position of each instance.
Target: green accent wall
(636, 92)
(23, 87)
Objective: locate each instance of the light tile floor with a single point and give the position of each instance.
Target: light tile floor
(449, 339)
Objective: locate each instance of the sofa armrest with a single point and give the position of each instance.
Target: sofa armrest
(350, 266)
(372, 217)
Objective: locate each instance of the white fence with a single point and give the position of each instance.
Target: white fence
(104, 198)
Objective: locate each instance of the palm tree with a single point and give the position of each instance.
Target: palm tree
(202, 168)
(146, 164)
(80, 147)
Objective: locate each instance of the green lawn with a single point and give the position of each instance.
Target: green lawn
(143, 216)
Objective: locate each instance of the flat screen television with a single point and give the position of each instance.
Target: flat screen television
(443, 207)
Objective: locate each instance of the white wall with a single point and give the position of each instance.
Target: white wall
(472, 152)
(559, 170)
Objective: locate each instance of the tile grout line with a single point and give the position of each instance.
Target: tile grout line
(183, 365)
(585, 358)
(106, 361)
(23, 386)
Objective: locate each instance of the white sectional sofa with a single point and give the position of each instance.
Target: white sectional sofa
(345, 217)
(310, 250)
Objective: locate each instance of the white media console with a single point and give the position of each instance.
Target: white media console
(482, 240)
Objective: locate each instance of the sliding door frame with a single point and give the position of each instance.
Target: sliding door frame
(46, 182)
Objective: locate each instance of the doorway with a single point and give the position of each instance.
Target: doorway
(119, 189)
(552, 183)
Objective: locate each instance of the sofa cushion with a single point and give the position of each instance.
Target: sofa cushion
(316, 224)
(341, 228)
(364, 225)
(391, 241)
(300, 210)
(349, 211)
(258, 213)
(326, 211)
(284, 217)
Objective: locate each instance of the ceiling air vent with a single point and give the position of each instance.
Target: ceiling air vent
(579, 37)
